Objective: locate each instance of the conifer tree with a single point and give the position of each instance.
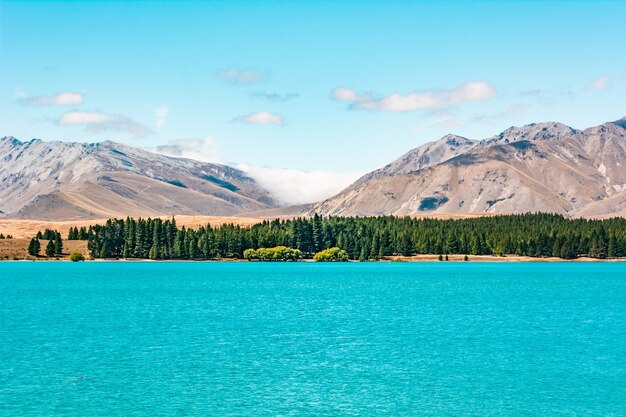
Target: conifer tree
(406, 247)
(50, 250)
(154, 252)
(34, 247)
(451, 244)
(612, 251)
(72, 234)
(194, 251)
(105, 250)
(58, 244)
(179, 241)
(317, 230)
(598, 248)
(375, 246)
(141, 244)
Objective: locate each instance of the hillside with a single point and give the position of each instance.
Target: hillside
(548, 167)
(65, 181)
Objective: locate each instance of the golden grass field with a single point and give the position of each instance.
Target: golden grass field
(11, 249)
(23, 230)
(29, 228)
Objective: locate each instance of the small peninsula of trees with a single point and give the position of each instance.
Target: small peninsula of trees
(365, 238)
(279, 253)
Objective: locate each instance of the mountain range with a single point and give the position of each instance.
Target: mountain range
(64, 181)
(547, 167)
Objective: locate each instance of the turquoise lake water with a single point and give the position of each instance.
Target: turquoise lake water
(238, 339)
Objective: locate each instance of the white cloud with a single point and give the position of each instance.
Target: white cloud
(84, 117)
(275, 96)
(289, 186)
(292, 186)
(600, 83)
(98, 121)
(425, 100)
(262, 118)
(348, 94)
(160, 115)
(242, 76)
(60, 99)
(205, 150)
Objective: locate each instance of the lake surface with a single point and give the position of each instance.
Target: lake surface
(233, 339)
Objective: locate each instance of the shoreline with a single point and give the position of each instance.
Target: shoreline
(390, 259)
(17, 250)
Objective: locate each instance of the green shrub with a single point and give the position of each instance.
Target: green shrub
(76, 257)
(279, 253)
(331, 255)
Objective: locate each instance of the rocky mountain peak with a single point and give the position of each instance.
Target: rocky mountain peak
(10, 140)
(621, 122)
(454, 140)
(424, 156)
(533, 132)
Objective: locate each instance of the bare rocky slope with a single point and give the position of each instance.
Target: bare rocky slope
(548, 167)
(63, 181)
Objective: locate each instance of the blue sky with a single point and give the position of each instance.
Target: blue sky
(336, 87)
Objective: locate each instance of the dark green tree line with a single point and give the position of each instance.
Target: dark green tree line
(54, 247)
(365, 238)
(77, 234)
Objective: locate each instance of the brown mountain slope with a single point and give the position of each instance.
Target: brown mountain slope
(62, 181)
(546, 167)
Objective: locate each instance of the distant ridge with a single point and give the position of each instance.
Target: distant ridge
(64, 181)
(545, 167)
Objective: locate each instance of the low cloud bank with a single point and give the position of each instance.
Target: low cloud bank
(292, 186)
(288, 186)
